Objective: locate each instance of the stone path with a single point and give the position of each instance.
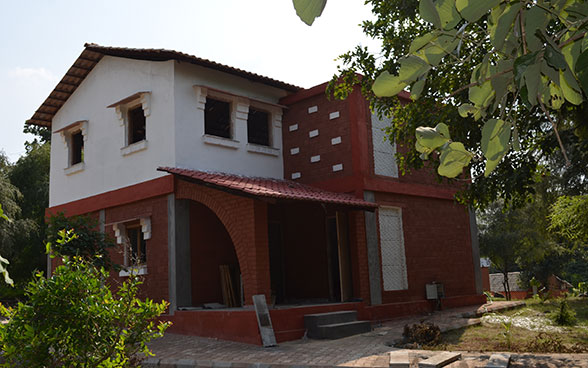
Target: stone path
(365, 350)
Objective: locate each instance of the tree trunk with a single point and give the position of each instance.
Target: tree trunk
(506, 284)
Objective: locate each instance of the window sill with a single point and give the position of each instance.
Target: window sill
(74, 169)
(264, 150)
(220, 141)
(135, 270)
(135, 147)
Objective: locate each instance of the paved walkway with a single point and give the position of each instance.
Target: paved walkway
(365, 350)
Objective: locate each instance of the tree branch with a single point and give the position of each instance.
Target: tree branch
(478, 83)
(563, 150)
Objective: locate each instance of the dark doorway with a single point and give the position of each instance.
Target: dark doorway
(335, 283)
(341, 284)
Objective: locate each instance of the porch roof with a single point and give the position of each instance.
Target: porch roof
(268, 188)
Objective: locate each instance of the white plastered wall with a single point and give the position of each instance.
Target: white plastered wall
(105, 168)
(195, 151)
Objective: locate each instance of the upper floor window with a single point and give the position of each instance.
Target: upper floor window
(258, 124)
(217, 118)
(135, 125)
(74, 138)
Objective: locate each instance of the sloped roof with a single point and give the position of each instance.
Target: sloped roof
(93, 53)
(268, 188)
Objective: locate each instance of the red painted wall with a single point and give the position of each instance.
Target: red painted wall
(437, 245)
(210, 247)
(156, 282)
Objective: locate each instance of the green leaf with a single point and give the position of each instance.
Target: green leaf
(501, 83)
(571, 51)
(309, 10)
(503, 25)
(520, 65)
(472, 10)
(569, 87)
(411, 68)
(535, 19)
(387, 85)
(582, 70)
(443, 129)
(481, 96)
(417, 88)
(495, 142)
(516, 141)
(554, 58)
(2, 215)
(453, 159)
(532, 77)
(428, 12)
(447, 13)
(429, 139)
(435, 51)
(466, 110)
(552, 95)
(422, 41)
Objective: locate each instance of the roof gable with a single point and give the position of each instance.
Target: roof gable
(93, 53)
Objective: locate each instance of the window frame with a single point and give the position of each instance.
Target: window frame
(231, 127)
(121, 231)
(122, 109)
(268, 125)
(67, 135)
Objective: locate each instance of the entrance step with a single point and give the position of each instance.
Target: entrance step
(440, 360)
(318, 319)
(334, 325)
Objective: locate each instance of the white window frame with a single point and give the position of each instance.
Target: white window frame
(66, 137)
(122, 108)
(393, 258)
(120, 232)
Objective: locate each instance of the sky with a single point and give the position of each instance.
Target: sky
(40, 40)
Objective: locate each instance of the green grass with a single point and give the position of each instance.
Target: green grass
(493, 337)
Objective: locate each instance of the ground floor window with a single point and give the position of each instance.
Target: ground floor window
(392, 249)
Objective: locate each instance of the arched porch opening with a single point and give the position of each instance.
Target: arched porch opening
(215, 271)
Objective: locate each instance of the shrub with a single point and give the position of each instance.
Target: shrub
(564, 316)
(74, 319)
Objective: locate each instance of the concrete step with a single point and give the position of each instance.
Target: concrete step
(339, 330)
(498, 361)
(313, 320)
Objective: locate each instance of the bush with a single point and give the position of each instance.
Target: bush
(74, 319)
(564, 316)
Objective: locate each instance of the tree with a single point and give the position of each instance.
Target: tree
(73, 319)
(569, 218)
(89, 244)
(517, 85)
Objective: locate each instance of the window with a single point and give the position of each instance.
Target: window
(132, 236)
(394, 273)
(136, 125)
(76, 154)
(136, 247)
(217, 118)
(258, 127)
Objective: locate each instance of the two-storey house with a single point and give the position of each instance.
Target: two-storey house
(219, 184)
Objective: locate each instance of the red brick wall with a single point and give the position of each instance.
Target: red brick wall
(359, 260)
(437, 246)
(156, 284)
(330, 155)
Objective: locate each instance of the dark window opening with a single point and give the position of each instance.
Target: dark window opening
(258, 127)
(136, 122)
(77, 148)
(137, 246)
(217, 118)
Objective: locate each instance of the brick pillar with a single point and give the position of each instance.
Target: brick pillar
(359, 258)
(258, 255)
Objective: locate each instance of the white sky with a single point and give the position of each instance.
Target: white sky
(39, 40)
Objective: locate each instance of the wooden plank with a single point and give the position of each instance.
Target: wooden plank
(440, 360)
(266, 330)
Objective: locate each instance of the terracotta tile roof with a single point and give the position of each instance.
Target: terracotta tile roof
(92, 55)
(268, 187)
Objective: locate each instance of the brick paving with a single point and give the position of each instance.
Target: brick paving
(365, 350)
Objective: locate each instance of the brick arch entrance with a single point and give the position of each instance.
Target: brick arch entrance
(245, 220)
